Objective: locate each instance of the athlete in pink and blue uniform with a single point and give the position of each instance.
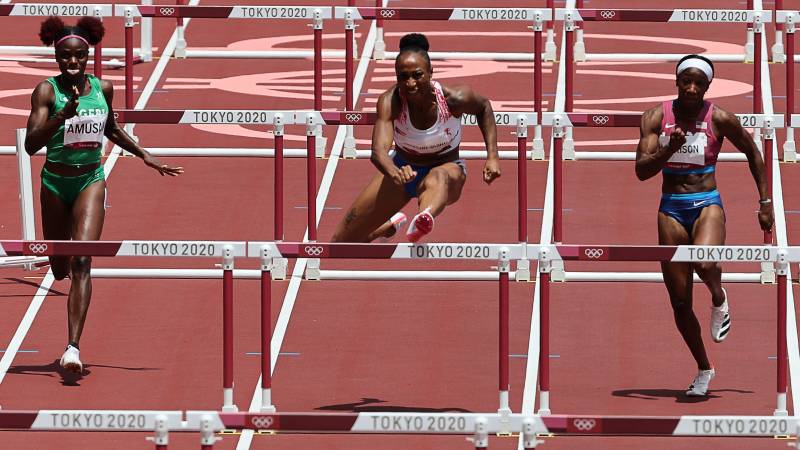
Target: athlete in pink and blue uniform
(682, 139)
(423, 120)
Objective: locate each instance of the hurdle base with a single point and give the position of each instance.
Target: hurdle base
(778, 53)
(789, 151)
(780, 408)
(279, 268)
(550, 47)
(568, 150)
(557, 272)
(321, 145)
(767, 273)
(312, 269)
(749, 47)
(523, 272)
(349, 149)
(379, 51)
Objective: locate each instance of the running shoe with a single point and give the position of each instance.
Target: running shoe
(720, 320)
(71, 360)
(699, 386)
(420, 226)
(398, 220)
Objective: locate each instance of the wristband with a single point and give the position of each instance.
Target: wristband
(765, 201)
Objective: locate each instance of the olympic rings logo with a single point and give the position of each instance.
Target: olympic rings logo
(387, 13)
(167, 11)
(313, 250)
(37, 248)
(584, 424)
(608, 14)
(262, 422)
(352, 117)
(600, 120)
(593, 253)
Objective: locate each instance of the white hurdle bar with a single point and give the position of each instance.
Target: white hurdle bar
(563, 123)
(225, 251)
(477, 425)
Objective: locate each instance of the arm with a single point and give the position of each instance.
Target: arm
(41, 127)
(466, 101)
(117, 135)
(729, 126)
(650, 155)
(382, 139)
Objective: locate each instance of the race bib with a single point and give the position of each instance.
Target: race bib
(84, 131)
(693, 151)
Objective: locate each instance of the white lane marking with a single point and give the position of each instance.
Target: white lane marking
(246, 438)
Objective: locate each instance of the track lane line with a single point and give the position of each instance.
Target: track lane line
(289, 299)
(38, 298)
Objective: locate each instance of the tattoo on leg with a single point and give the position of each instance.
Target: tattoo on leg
(351, 215)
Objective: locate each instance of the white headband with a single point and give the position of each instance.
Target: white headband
(699, 64)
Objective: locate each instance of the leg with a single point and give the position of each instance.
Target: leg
(88, 214)
(678, 279)
(441, 187)
(709, 229)
(371, 209)
(56, 225)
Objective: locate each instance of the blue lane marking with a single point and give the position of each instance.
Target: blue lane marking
(20, 351)
(772, 357)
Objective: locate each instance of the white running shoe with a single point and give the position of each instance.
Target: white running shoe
(421, 225)
(720, 320)
(699, 386)
(71, 360)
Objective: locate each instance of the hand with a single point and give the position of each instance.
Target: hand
(766, 216)
(71, 108)
(401, 175)
(162, 169)
(676, 139)
(491, 170)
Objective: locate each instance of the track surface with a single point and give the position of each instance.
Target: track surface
(387, 346)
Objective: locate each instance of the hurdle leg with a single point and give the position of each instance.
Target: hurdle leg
(227, 331)
(207, 437)
(266, 332)
(782, 352)
(778, 55)
(544, 333)
(481, 433)
(180, 29)
(503, 267)
(789, 151)
(161, 436)
(379, 50)
(321, 144)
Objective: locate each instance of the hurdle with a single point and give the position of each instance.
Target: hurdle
(781, 256)
(317, 14)
(572, 16)
(144, 53)
(788, 20)
(45, 10)
(502, 253)
(561, 122)
(537, 17)
(225, 251)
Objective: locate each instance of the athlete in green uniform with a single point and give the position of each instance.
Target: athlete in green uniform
(70, 114)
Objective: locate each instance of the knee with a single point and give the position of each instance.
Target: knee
(435, 180)
(681, 306)
(59, 266)
(80, 266)
(706, 267)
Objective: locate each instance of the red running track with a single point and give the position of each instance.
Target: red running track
(384, 346)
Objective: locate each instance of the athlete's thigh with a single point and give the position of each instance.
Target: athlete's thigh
(454, 176)
(677, 275)
(88, 212)
(56, 225)
(709, 228)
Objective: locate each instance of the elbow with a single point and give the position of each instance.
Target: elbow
(642, 174)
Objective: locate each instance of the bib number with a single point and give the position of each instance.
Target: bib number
(693, 151)
(84, 131)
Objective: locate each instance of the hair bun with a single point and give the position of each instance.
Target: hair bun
(50, 28)
(414, 41)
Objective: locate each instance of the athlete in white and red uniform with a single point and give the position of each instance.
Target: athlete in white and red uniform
(682, 139)
(423, 120)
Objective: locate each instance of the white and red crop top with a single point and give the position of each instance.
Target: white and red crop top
(442, 137)
(699, 153)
